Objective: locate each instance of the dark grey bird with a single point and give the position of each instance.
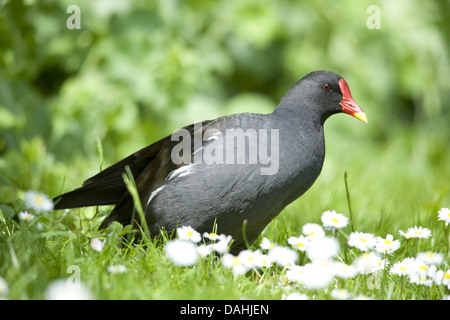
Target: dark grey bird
(241, 167)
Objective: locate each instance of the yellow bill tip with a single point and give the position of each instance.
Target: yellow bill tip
(361, 116)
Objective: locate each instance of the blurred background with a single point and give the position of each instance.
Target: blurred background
(137, 70)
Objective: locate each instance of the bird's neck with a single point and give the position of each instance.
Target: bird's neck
(298, 116)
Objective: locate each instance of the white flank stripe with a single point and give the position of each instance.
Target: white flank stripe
(154, 193)
(180, 172)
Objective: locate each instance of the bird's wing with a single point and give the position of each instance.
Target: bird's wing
(108, 188)
(158, 168)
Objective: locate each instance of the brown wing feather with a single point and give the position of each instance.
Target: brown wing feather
(107, 187)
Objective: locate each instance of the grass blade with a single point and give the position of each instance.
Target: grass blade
(131, 186)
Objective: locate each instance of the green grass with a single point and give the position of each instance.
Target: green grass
(393, 184)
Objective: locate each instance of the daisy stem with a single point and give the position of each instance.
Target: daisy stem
(401, 287)
(447, 238)
(343, 233)
(346, 237)
(406, 248)
(384, 277)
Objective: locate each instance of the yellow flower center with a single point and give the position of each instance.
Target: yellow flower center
(363, 240)
(430, 255)
(387, 241)
(190, 234)
(334, 220)
(446, 275)
(38, 199)
(236, 261)
(213, 234)
(300, 244)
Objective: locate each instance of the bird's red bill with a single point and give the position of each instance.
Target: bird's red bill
(348, 104)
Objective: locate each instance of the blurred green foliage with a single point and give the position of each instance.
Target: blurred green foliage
(137, 70)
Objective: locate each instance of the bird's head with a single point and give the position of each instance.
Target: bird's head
(323, 93)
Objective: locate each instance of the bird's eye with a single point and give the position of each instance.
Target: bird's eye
(326, 87)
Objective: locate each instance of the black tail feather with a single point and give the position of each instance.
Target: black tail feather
(86, 196)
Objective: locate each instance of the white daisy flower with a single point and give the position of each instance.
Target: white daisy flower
(294, 296)
(300, 243)
(283, 256)
(264, 261)
(343, 270)
(214, 236)
(204, 250)
(120, 268)
(38, 202)
(362, 241)
(266, 244)
(181, 253)
(188, 233)
(430, 257)
(387, 245)
(295, 273)
(222, 246)
(26, 216)
(421, 279)
(313, 231)
(316, 276)
(416, 232)
(97, 244)
(333, 220)
(340, 294)
(419, 232)
(421, 268)
(62, 290)
(250, 258)
(329, 265)
(322, 249)
(442, 278)
(234, 263)
(407, 266)
(368, 262)
(444, 215)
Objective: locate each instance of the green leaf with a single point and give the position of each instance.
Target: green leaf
(7, 212)
(2, 219)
